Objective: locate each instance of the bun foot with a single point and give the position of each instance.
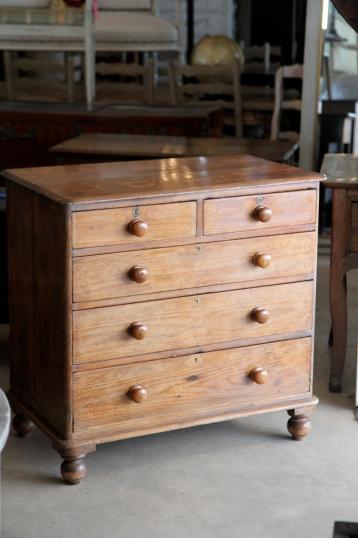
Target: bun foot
(298, 425)
(335, 385)
(22, 425)
(73, 470)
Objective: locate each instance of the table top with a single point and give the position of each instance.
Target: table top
(136, 180)
(42, 16)
(140, 146)
(341, 170)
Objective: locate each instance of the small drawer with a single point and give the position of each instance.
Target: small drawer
(137, 329)
(108, 276)
(243, 213)
(133, 224)
(139, 397)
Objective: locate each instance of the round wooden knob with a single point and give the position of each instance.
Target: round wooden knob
(138, 274)
(137, 394)
(262, 214)
(138, 330)
(261, 259)
(259, 375)
(261, 315)
(138, 227)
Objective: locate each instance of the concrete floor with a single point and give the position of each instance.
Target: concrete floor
(236, 479)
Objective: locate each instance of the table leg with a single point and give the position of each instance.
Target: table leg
(338, 287)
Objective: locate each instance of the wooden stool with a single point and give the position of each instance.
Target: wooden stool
(342, 172)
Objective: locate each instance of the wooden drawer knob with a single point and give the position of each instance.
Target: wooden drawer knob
(138, 274)
(259, 375)
(138, 227)
(262, 214)
(261, 315)
(138, 330)
(261, 259)
(137, 394)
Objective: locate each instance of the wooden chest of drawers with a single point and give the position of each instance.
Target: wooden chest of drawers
(159, 295)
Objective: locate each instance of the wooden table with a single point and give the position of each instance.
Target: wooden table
(159, 295)
(342, 172)
(28, 130)
(98, 147)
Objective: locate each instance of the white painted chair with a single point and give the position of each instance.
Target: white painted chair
(134, 25)
(283, 102)
(121, 26)
(32, 25)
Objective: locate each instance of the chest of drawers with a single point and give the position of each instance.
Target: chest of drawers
(149, 296)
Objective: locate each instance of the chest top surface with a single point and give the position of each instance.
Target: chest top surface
(110, 182)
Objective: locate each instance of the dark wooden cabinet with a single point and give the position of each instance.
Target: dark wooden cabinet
(149, 296)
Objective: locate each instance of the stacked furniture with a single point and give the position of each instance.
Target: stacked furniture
(149, 296)
(121, 26)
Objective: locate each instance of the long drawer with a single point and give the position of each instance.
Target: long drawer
(131, 273)
(173, 391)
(137, 224)
(185, 322)
(225, 215)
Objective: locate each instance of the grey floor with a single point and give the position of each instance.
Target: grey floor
(240, 479)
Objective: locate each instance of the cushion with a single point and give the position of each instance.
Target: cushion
(24, 3)
(125, 4)
(125, 27)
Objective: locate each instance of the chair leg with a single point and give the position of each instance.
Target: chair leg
(90, 70)
(8, 75)
(69, 76)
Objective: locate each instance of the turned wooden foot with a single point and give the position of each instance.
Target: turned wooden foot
(73, 470)
(298, 424)
(22, 425)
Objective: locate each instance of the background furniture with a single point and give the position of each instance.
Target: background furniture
(342, 172)
(199, 84)
(28, 131)
(113, 337)
(98, 147)
(38, 27)
(282, 103)
(134, 25)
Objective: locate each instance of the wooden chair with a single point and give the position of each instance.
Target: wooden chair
(33, 25)
(136, 81)
(259, 58)
(217, 84)
(285, 101)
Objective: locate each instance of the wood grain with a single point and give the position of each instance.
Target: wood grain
(233, 214)
(102, 333)
(85, 184)
(110, 226)
(354, 228)
(189, 387)
(176, 268)
(116, 146)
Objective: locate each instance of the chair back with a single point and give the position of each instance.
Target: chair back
(209, 84)
(283, 102)
(261, 58)
(126, 5)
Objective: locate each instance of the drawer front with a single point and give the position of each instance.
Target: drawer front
(133, 224)
(227, 215)
(354, 228)
(177, 390)
(185, 322)
(108, 276)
